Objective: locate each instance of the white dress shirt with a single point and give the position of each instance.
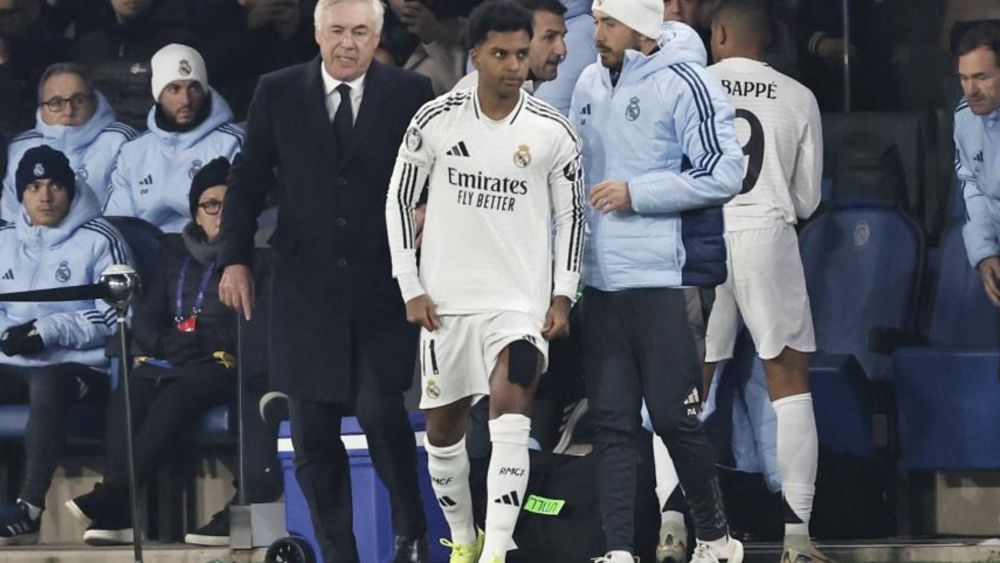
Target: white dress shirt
(333, 97)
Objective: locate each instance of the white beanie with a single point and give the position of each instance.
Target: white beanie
(177, 62)
(644, 16)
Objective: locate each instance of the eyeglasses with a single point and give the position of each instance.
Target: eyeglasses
(58, 104)
(211, 206)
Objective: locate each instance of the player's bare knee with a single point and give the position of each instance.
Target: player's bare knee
(446, 425)
(444, 436)
(787, 374)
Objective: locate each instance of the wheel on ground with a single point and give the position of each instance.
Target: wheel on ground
(290, 550)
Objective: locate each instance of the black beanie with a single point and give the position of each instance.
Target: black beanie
(44, 162)
(212, 174)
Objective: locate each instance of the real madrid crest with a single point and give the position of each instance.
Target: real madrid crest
(522, 157)
(632, 111)
(39, 170)
(63, 273)
(195, 167)
(413, 139)
(184, 67)
(432, 389)
(862, 233)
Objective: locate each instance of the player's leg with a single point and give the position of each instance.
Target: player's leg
(448, 465)
(775, 306)
(798, 443)
(672, 547)
(722, 327)
(513, 382)
(613, 393)
(670, 369)
(451, 376)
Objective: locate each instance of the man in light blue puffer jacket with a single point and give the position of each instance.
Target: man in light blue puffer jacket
(977, 151)
(76, 120)
(53, 353)
(189, 125)
(661, 158)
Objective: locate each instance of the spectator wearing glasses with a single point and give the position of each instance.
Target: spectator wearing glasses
(77, 120)
(187, 338)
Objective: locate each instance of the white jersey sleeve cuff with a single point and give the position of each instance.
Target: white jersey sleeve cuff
(410, 286)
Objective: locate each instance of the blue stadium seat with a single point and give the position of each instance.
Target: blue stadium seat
(912, 134)
(948, 392)
(863, 262)
(842, 400)
(143, 239)
(955, 211)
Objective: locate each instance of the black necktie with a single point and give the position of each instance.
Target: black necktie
(343, 119)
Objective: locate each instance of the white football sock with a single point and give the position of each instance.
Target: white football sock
(798, 450)
(506, 481)
(449, 470)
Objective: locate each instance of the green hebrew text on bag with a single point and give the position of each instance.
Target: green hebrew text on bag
(544, 506)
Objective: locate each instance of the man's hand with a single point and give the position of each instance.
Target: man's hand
(236, 289)
(259, 13)
(557, 318)
(22, 340)
(989, 269)
(610, 195)
(420, 21)
(421, 311)
(285, 15)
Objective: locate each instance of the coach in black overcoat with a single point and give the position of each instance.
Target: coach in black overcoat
(339, 340)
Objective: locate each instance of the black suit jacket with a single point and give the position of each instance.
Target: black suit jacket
(334, 304)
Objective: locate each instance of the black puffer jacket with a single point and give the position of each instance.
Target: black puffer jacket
(117, 54)
(155, 328)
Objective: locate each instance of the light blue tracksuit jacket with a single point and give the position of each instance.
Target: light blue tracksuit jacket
(665, 128)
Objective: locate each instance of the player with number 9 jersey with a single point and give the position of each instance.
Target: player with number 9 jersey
(778, 124)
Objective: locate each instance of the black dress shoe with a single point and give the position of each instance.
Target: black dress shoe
(410, 550)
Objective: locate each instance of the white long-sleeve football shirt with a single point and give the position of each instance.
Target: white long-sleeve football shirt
(778, 122)
(496, 189)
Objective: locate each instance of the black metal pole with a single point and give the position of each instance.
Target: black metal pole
(847, 55)
(241, 490)
(240, 525)
(133, 491)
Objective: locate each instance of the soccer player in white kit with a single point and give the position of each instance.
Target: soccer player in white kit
(778, 122)
(493, 284)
